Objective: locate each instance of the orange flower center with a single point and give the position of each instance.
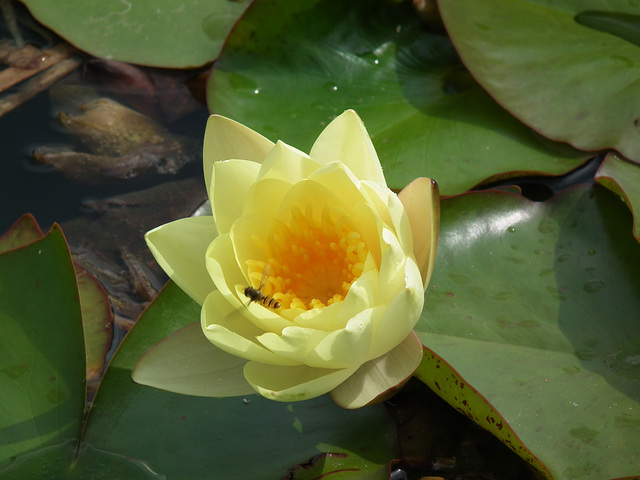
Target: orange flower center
(309, 261)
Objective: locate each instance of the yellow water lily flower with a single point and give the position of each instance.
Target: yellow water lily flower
(311, 268)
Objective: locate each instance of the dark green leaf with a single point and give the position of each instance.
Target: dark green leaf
(41, 347)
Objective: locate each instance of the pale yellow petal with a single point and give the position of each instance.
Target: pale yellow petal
(346, 140)
(377, 196)
(285, 162)
(230, 183)
(249, 240)
(401, 313)
(225, 326)
(347, 347)
(380, 377)
(392, 267)
(290, 384)
(421, 201)
(391, 211)
(186, 362)
(362, 295)
(264, 197)
(179, 248)
(223, 269)
(336, 177)
(225, 139)
(293, 343)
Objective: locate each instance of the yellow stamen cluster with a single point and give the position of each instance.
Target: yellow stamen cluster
(310, 261)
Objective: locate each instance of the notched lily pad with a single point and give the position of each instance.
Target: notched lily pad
(531, 318)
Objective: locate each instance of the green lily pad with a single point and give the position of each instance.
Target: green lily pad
(161, 33)
(623, 178)
(41, 347)
(249, 437)
(94, 302)
(567, 69)
(531, 325)
(289, 67)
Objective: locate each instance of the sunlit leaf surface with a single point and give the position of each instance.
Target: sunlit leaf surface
(289, 67)
(161, 33)
(567, 69)
(532, 318)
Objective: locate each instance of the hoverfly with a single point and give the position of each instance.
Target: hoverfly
(256, 295)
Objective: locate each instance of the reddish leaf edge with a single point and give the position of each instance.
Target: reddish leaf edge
(611, 184)
(448, 380)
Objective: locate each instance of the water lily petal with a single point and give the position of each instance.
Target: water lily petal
(392, 267)
(346, 139)
(223, 269)
(293, 343)
(225, 139)
(402, 312)
(287, 163)
(230, 182)
(265, 197)
(225, 326)
(309, 192)
(290, 384)
(248, 238)
(361, 295)
(347, 347)
(392, 211)
(421, 201)
(179, 248)
(186, 362)
(336, 177)
(380, 376)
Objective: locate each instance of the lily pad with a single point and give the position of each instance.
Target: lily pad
(623, 178)
(41, 347)
(567, 69)
(159, 33)
(289, 67)
(531, 325)
(94, 302)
